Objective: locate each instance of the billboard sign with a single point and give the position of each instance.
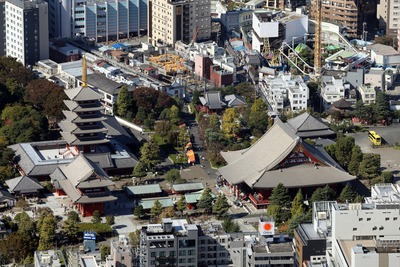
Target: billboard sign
(266, 228)
(89, 236)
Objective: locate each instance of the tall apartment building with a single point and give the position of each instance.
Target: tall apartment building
(26, 30)
(103, 20)
(350, 15)
(178, 20)
(388, 16)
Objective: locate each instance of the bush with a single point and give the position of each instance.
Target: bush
(110, 219)
(98, 228)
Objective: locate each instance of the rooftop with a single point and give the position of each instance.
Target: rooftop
(143, 189)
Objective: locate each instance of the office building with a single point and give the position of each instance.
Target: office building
(26, 31)
(172, 21)
(172, 243)
(101, 20)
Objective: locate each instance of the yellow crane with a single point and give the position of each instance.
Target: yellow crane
(317, 40)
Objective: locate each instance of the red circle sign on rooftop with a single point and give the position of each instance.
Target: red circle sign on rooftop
(267, 227)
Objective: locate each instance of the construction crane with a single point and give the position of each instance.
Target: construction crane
(192, 42)
(317, 40)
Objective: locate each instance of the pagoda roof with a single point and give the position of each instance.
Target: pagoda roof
(72, 139)
(306, 126)
(258, 165)
(68, 126)
(74, 117)
(74, 106)
(82, 94)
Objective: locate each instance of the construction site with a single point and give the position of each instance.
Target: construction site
(169, 64)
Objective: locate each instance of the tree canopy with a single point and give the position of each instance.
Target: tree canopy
(206, 200)
(125, 102)
(370, 165)
(22, 123)
(258, 118)
(221, 206)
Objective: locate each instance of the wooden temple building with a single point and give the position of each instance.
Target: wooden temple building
(279, 156)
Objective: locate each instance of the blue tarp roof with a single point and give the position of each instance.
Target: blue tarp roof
(119, 46)
(239, 48)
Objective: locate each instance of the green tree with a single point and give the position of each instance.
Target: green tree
(359, 199)
(230, 123)
(181, 205)
(221, 206)
(330, 149)
(214, 122)
(370, 165)
(344, 147)
(295, 221)
(140, 170)
(150, 154)
(347, 194)
(206, 200)
(356, 158)
(246, 90)
(183, 138)
(110, 219)
(125, 102)
(73, 216)
(96, 217)
(47, 232)
(70, 227)
(323, 194)
(141, 115)
(278, 213)
(156, 209)
(196, 97)
(139, 211)
(104, 252)
(16, 247)
(24, 124)
(364, 113)
(258, 118)
(26, 226)
(134, 238)
(381, 107)
(230, 226)
(280, 196)
(174, 114)
(174, 177)
(297, 204)
(42, 214)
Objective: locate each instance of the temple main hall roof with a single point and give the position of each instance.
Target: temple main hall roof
(280, 156)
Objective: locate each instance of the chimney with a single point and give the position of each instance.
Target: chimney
(84, 72)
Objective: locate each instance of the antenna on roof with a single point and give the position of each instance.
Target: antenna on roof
(84, 72)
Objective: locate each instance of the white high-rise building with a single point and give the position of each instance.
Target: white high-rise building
(26, 30)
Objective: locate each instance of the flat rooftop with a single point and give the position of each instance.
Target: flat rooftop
(368, 246)
(274, 247)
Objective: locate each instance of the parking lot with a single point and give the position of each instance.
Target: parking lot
(390, 157)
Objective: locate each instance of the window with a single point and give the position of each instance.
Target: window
(354, 229)
(162, 254)
(368, 219)
(153, 254)
(395, 219)
(360, 219)
(386, 219)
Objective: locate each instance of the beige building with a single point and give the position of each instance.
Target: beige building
(351, 15)
(121, 253)
(177, 20)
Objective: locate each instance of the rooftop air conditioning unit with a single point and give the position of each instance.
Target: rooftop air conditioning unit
(321, 215)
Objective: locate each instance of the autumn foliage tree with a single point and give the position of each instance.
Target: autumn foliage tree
(46, 96)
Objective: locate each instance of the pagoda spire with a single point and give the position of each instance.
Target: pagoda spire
(84, 72)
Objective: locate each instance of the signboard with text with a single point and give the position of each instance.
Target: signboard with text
(266, 228)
